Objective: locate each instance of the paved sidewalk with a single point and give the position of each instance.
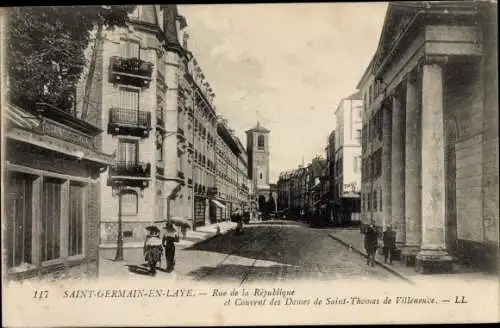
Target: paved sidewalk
(133, 252)
(353, 239)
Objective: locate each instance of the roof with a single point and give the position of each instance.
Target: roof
(355, 96)
(258, 128)
(366, 73)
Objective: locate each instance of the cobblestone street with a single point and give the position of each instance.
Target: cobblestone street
(267, 251)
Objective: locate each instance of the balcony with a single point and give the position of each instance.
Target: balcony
(129, 173)
(129, 122)
(130, 71)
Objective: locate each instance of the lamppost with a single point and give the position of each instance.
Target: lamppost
(119, 241)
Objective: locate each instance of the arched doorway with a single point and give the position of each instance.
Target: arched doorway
(451, 234)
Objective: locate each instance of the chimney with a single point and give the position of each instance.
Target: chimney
(185, 39)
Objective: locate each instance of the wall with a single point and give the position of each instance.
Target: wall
(463, 106)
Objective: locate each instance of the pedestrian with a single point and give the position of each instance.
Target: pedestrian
(169, 239)
(371, 244)
(389, 239)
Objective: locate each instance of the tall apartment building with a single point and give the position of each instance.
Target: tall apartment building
(203, 122)
(140, 82)
(227, 171)
(243, 182)
(348, 159)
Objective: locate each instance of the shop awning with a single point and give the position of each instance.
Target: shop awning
(217, 203)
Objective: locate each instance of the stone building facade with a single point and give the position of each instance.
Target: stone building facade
(258, 162)
(347, 179)
(52, 169)
(434, 93)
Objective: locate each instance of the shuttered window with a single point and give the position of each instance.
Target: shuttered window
(128, 98)
(19, 220)
(127, 151)
(51, 219)
(129, 49)
(75, 224)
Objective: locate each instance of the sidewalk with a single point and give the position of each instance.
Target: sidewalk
(354, 239)
(133, 252)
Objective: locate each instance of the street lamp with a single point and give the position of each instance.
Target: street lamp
(119, 241)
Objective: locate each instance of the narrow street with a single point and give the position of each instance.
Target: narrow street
(271, 251)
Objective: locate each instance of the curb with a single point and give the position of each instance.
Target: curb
(209, 238)
(383, 265)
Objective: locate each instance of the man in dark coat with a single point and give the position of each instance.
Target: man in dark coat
(370, 244)
(389, 239)
(169, 239)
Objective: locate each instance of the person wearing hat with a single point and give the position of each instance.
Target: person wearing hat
(389, 239)
(169, 239)
(153, 248)
(371, 243)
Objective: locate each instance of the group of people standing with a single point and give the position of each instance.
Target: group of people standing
(154, 245)
(371, 243)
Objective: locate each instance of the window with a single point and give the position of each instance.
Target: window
(375, 203)
(357, 164)
(128, 151)
(159, 154)
(75, 226)
(51, 219)
(129, 48)
(380, 199)
(260, 142)
(358, 135)
(129, 202)
(128, 98)
(19, 220)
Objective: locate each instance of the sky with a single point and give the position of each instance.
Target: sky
(285, 65)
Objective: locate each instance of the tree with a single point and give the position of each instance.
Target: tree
(46, 46)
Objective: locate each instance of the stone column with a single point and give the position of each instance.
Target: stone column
(412, 172)
(386, 161)
(398, 172)
(433, 255)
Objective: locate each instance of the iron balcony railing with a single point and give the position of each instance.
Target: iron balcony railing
(130, 118)
(132, 71)
(130, 169)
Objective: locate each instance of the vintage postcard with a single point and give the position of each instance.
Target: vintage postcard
(250, 164)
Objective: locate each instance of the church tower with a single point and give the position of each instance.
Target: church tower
(258, 159)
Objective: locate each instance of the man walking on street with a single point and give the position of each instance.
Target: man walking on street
(389, 239)
(371, 244)
(169, 239)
